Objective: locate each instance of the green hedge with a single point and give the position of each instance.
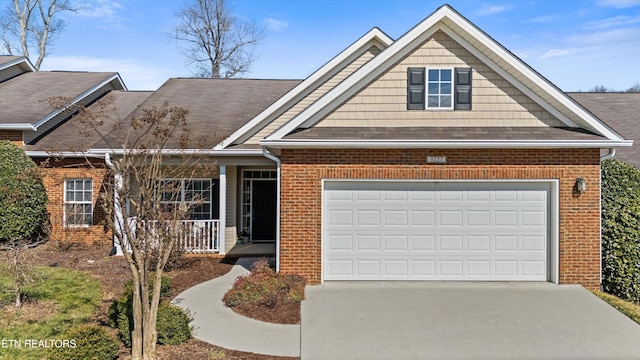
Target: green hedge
(23, 198)
(621, 230)
(89, 342)
(172, 322)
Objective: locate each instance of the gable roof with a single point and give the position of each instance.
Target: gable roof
(24, 99)
(12, 66)
(499, 59)
(217, 107)
(71, 135)
(374, 37)
(622, 112)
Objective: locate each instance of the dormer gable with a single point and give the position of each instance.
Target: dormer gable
(12, 66)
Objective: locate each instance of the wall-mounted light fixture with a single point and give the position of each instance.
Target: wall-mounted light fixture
(581, 185)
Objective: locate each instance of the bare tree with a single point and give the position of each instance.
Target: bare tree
(150, 231)
(34, 25)
(215, 41)
(634, 88)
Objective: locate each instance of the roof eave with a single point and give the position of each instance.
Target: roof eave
(445, 144)
(18, 127)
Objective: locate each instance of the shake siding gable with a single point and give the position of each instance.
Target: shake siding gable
(495, 101)
(315, 95)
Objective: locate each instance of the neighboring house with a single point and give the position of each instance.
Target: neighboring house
(436, 156)
(621, 110)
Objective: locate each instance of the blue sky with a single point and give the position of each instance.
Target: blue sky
(576, 44)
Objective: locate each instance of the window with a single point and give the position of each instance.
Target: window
(78, 205)
(195, 193)
(439, 89)
(446, 89)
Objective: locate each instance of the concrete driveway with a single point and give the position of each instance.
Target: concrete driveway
(440, 320)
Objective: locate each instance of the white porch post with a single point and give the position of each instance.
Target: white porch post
(222, 209)
(117, 207)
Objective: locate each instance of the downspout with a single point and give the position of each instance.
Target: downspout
(269, 155)
(609, 155)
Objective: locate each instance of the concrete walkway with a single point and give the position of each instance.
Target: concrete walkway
(218, 325)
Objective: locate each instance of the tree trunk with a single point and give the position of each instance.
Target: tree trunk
(136, 334)
(16, 278)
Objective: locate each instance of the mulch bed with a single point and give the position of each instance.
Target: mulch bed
(282, 312)
(113, 272)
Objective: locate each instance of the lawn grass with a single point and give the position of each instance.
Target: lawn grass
(628, 308)
(70, 296)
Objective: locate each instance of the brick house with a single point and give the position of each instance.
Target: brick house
(436, 156)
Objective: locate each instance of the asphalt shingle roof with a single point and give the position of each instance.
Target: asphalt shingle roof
(25, 98)
(621, 111)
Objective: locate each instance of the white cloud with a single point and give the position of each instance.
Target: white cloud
(616, 21)
(607, 38)
(619, 4)
(522, 55)
(554, 53)
(491, 9)
(544, 19)
(276, 25)
(136, 74)
(105, 11)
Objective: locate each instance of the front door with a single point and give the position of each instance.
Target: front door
(263, 208)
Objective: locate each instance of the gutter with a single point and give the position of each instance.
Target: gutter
(269, 155)
(446, 144)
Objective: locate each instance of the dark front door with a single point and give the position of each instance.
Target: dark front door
(263, 205)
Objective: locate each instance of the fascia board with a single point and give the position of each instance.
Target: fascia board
(212, 152)
(18, 61)
(374, 37)
(115, 78)
(18, 127)
(443, 144)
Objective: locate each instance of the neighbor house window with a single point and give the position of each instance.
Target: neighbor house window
(195, 193)
(439, 89)
(78, 205)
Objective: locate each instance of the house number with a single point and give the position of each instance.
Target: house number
(436, 159)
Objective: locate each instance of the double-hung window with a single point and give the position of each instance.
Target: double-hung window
(194, 193)
(78, 205)
(439, 89)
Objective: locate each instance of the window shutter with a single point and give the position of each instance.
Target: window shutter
(415, 88)
(462, 89)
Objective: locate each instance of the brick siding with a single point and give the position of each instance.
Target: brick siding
(303, 171)
(54, 175)
(12, 135)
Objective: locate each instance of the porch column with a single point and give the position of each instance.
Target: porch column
(222, 209)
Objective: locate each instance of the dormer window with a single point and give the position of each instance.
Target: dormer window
(439, 89)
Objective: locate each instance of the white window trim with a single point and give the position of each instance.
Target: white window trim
(65, 202)
(426, 90)
(183, 193)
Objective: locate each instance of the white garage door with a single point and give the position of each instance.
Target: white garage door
(377, 230)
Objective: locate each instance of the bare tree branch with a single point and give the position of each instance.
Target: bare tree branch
(214, 41)
(33, 25)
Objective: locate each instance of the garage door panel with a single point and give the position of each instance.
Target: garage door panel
(435, 231)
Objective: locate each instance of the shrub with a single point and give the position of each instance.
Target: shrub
(621, 230)
(172, 322)
(91, 343)
(173, 325)
(264, 285)
(23, 197)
